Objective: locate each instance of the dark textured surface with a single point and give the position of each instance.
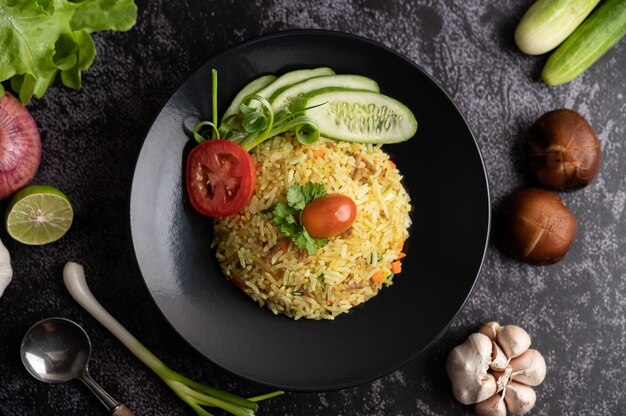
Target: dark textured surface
(575, 311)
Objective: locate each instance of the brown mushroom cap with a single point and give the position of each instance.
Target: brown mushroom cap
(536, 226)
(563, 150)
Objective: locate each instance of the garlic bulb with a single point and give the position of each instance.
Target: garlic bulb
(6, 273)
(495, 369)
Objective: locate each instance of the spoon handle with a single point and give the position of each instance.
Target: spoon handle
(109, 402)
(122, 410)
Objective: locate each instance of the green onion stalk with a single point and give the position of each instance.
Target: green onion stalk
(196, 395)
(256, 122)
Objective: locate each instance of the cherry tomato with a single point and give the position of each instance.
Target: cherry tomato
(220, 178)
(329, 215)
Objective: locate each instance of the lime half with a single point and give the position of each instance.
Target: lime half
(39, 214)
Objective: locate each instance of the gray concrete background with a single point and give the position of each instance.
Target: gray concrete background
(575, 311)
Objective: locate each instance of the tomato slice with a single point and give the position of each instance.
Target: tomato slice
(220, 178)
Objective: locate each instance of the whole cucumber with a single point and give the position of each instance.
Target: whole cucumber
(593, 38)
(547, 23)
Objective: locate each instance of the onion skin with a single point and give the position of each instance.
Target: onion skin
(20, 146)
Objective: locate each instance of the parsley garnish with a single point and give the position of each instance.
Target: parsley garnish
(287, 216)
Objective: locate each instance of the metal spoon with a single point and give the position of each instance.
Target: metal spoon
(56, 350)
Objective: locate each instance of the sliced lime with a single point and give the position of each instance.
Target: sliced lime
(39, 214)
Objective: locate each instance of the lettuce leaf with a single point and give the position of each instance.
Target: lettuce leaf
(41, 38)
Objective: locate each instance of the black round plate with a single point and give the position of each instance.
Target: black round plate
(445, 176)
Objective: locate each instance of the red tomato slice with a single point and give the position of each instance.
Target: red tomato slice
(220, 178)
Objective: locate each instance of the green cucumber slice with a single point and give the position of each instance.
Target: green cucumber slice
(249, 89)
(292, 77)
(284, 96)
(360, 116)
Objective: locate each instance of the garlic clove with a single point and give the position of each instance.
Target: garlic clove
(6, 272)
(467, 367)
(513, 340)
(519, 398)
(529, 368)
(490, 329)
(498, 359)
(474, 389)
(493, 406)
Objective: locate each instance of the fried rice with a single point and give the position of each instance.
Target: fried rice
(352, 267)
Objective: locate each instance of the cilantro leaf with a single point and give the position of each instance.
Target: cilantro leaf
(299, 196)
(287, 217)
(313, 191)
(41, 38)
(296, 197)
(302, 239)
(285, 220)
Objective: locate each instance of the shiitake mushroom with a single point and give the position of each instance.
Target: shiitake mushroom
(536, 227)
(563, 150)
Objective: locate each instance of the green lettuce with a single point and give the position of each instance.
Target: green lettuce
(42, 38)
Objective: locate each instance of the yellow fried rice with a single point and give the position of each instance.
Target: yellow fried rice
(267, 266)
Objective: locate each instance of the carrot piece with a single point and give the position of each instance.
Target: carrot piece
(401, 245)
(391, 164)
(396, 267)
(284, 246)
(401, 256)
(377, 277)
(238, 282)
(318, 153)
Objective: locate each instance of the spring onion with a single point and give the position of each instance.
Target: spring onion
(194, 394)
(256, 122)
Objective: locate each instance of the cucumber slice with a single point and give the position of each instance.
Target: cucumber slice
(360, 116)
(250, 88)
(284, 96)
(293, 77)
